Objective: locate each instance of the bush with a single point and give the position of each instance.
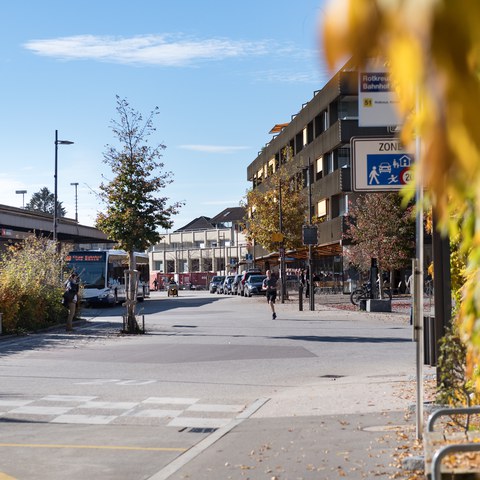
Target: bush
(31, 286)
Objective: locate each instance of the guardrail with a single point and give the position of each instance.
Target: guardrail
(439, 445)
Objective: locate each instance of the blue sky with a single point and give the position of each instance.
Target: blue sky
(222, 74)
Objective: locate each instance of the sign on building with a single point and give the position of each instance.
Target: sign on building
(377, 99)
(379, 164)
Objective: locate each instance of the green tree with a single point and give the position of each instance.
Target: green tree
(263, 212)
(379, 227)
(44, 201)
(134, 208)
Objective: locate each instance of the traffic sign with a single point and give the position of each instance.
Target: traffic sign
(377, 98)
(379, 164)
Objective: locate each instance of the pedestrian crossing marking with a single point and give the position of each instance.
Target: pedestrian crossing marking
(85, 419)
(91, 410)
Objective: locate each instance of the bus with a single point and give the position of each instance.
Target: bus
(102, 275)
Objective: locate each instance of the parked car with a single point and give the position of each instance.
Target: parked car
(245, 275)
(235, 283)
(227, 284)
(253, 285)
(215, 282)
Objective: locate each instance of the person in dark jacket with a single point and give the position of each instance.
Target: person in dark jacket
(70, 298)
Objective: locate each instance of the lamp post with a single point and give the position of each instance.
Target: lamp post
(311, 292)
(55, 208)
(22, 193)
(281, 249)
(75, 184)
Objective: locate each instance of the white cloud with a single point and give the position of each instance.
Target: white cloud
(278, 76)
(163, 50)
(213, 148)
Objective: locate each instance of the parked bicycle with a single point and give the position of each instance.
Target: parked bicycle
(365, 293)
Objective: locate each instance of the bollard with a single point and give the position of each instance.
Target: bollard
(1, 325)
(300, 298)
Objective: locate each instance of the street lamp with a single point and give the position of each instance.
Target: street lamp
(22, 193)
(311, 292)
(55, 208)
(75, 184)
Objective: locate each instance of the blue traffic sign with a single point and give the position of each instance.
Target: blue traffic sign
(388, 169)
(380, 164)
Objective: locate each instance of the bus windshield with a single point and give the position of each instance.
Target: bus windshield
(90, 267)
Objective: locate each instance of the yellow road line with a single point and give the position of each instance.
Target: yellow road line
(94, 447)
(4, 476)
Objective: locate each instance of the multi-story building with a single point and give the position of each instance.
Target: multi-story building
(200, 249)
(317, 142)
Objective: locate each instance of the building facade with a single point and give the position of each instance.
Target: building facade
(317, 142)
(201, 249)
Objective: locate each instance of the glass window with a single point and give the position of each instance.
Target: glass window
(322, 207)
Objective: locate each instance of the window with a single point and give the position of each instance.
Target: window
(348, 109)
(322, 208)
(309, 129)
(343, 157)
(271, 167)
(318, 168)
(321, 123)
(195, 265)
(339, 205)
(158, 265)
(298, 142)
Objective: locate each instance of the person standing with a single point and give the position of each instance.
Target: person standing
(71, 298)
(270, 285)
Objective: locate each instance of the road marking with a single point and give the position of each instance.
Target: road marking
(85, 419)
(171, 400)
(202, 407)
(92, 447)
(34, 410)
(197, 449)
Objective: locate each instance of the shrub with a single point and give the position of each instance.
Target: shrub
(31, 286)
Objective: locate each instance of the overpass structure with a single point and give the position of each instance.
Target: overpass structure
(18, 223)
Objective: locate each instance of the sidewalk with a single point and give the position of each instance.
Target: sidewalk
(346, 428)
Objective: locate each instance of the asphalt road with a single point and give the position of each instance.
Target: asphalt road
(97, 404)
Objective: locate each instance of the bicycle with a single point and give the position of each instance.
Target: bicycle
(365, 293)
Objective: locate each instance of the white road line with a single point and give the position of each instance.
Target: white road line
(32, 410)
(68, 398)
(171, 400)
(203, 407)
(156, 413)
(85, 419)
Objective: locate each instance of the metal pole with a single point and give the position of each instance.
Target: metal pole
(75, 184)
(281, 245)
(418, 291)
(311, 292)
(55, 189)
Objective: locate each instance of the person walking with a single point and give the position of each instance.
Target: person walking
(270, 285)
(70, 298)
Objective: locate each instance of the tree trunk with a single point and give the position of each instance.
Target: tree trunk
(132, 294)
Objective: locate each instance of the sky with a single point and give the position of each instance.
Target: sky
(221, 73)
